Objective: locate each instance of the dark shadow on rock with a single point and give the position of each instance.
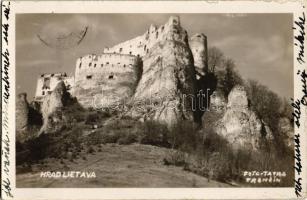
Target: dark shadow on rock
(206, 85)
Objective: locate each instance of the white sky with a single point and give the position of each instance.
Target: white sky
(260, 44)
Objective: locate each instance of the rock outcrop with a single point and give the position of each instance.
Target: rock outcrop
(239, 125)
(217, 101)
(51, 109)
(22, 112)
(28, 118)
(168, 76)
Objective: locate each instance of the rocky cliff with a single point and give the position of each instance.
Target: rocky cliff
(28, 118)
(22, 112)
(237, 123)
(168, 77)
(53, 116)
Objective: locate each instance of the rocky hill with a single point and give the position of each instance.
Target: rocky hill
(146, 90)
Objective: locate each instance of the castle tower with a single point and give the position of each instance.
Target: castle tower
(198, 45)
(47, 82)
(174, 20)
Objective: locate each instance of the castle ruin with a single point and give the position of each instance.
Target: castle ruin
(113, 76)
(47, 82)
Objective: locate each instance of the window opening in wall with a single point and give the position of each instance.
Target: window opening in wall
(49, 92)
(144, 47)
(120, 49)
(124, 65)
(157, 34)
(111, 76)
(107, 63)
(147, 51)
(94, 65)
(118, 63)
(90, 64)
(130, 52)
(198, 36)
(43, 93)
(101, 65)
(162, 28)
(80, 65)
(46, 83)
(89, 77)
(52, 75)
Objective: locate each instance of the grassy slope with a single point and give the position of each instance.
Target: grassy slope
(116, 165)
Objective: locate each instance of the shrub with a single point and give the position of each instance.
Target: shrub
(110, 137)
(90, 150)
(92, 118)
(154, 133)
(174, 157)
(127, 139)
(96, 116)
(183, 136)
(24, 168)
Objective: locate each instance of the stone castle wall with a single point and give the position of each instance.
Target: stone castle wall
(47, 82)
(140, 45)
(103, 80)
(108, 78)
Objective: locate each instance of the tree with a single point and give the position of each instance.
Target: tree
(230, 77)
(265, 103)
(215, 58)
(286, 109)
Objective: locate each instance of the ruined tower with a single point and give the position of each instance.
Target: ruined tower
(47, 82)
(198, 45)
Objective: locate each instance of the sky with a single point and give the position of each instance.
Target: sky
(260, 44)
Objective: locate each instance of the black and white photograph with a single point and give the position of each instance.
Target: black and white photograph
(184, 100)
(156, 100)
